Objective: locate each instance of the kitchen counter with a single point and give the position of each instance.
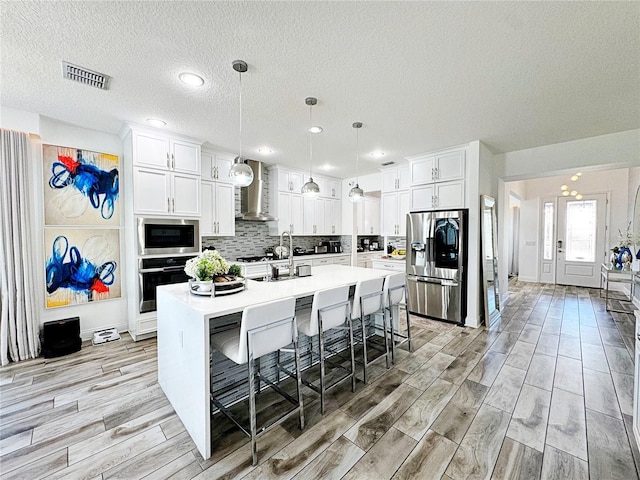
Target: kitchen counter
(259, 269)
(184, 325)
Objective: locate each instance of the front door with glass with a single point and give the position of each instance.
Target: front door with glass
(580, 241)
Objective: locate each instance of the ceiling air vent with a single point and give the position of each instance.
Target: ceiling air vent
(386, 164)
(86, 76)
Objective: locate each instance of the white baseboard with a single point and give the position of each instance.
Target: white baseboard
(522, 278)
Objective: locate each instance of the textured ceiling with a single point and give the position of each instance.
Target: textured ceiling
(419, 75)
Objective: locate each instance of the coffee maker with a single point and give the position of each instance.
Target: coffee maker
(365, 243)
(333, 246)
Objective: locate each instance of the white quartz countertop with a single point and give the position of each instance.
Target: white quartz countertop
(296, 258)
(322, 277)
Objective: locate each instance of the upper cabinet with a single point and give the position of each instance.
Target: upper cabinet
(396, 178)
(166, 173)
(155, 150)
(438, 180)
(368, 215)
(441, 167)
(218, 195)
(289, 180)
(216, 166)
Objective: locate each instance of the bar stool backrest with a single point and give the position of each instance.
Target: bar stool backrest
(371, 303)
(392, 291)
(333, 305)
(268, 326)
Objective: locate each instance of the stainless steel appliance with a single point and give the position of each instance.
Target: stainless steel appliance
(157, 236)
(333, 246)
(436, 264)
(153, 272)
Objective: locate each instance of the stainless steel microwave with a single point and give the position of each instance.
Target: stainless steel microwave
(158, 236)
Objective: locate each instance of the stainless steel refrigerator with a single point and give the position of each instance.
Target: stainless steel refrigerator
(436, 264)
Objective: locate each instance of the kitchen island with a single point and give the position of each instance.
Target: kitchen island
(185, 322)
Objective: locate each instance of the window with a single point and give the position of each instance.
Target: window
(581, 231)
(548, 231)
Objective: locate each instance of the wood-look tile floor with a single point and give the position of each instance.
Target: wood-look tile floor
(546, 394)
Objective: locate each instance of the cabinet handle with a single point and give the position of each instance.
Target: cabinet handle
(173, 162)
(372, 230)
(173, 205)
(333, 192)
(168, 164)
(168, 205)
(437, 173)
(433, 173)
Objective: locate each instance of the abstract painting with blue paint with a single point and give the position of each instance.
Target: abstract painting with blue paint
(82, 187)
(81, 266)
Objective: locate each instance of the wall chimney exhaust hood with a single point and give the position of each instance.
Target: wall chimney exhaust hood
(251, 206)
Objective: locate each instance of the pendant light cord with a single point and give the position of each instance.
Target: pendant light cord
(241, 159)
(310, 142)
(357, 156)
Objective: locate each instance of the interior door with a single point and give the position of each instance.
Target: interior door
(580, 242)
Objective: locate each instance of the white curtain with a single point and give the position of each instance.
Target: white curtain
(19, 327)
(514, 268)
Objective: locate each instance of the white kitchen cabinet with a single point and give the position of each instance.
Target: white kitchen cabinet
(321, 261)
(442, 167)
(158, 192)
(333, 188)
(368, 215)
(332, 216)
(438, 195)
(218, 214)
(313, 216)
(366, 259)
(396, 178)
(392, 265)
(342, 260)
(395, 207)
(288, 208)
(289, 180)
(160, 151)
(216, 166)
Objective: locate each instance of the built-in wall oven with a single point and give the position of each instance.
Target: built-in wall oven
(174, 236)
(153, 272)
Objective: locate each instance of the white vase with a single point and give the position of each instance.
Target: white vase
(200, 287)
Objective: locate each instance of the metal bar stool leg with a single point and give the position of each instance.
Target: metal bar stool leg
(322, 371)
(252, 411)
(353, 359)
(298, 381)
(364, 344)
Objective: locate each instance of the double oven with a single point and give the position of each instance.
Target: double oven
(164, 246)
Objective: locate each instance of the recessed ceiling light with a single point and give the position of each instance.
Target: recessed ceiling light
(265, 150)
(574, 193)
(327, 166)
(579, 174)
(565, 193)
(315, 129)
(377, 154)
(563, 187)
(191, 79)
(579, 196)
(574, 178)
(156, 122)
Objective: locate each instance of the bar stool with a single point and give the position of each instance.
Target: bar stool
(393, 293)
(264, 329)
(367, 300)
(329, 311)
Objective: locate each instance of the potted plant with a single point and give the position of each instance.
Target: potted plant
(211, 274)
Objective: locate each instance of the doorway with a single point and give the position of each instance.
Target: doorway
(580, 240)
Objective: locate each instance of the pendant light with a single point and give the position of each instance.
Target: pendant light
(356, 194)
(310, 189)
(240, 173)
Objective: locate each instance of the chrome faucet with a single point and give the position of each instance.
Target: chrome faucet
(287, 232)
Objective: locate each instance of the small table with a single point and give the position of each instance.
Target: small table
(608, 274)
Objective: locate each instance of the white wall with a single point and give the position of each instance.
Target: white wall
(528, 245)
(94, 316)
(19, 120)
